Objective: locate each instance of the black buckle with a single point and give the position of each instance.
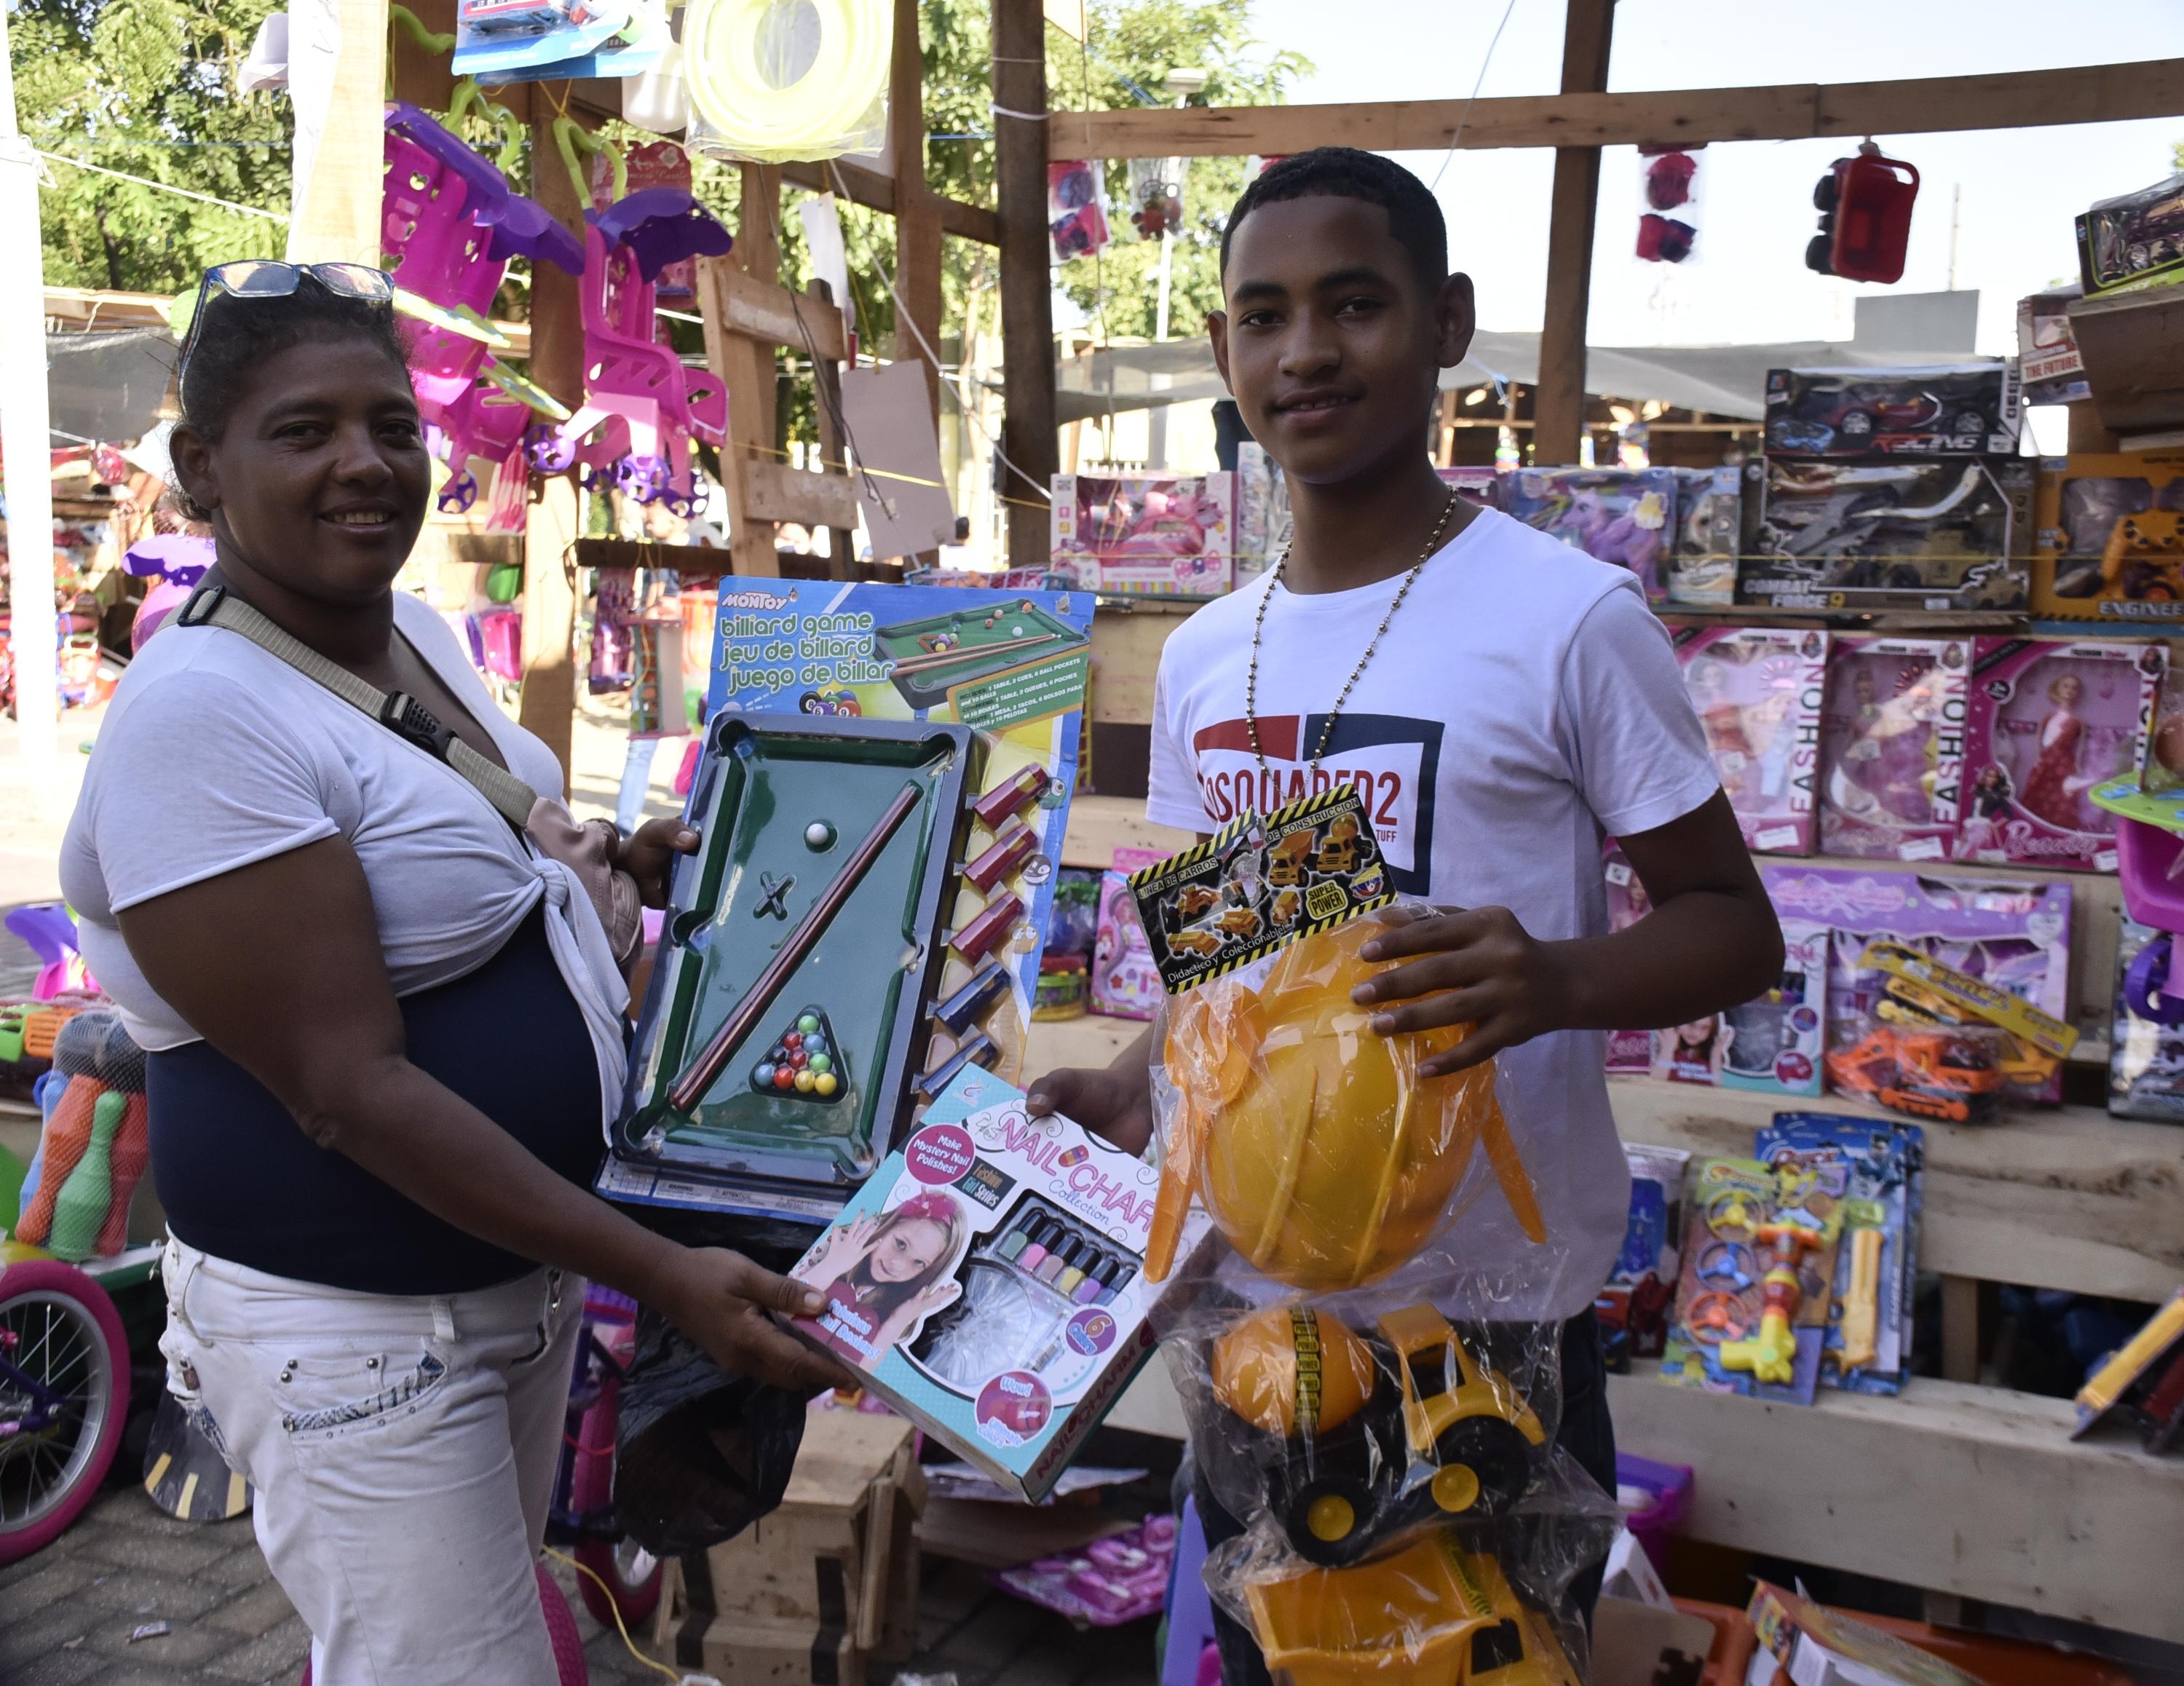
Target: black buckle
(199, 608)
(412, 720)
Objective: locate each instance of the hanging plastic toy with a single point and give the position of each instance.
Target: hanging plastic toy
(177, 561)
(642, 408)
(748, 99)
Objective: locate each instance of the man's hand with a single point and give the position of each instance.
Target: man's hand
(1477, 967)
(721, 1299)
(1117, 1104)
(648, 855)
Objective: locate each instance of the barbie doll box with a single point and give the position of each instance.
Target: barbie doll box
(2045, 721)
(1758, 692)
(1154, 535)
(988, 1280)
(1892, 748)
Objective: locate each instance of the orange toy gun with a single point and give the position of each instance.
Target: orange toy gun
(1771, 1355)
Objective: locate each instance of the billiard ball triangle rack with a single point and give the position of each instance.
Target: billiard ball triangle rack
(796, 1023)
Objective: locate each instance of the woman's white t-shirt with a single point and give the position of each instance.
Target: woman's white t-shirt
(1523, 704)
(215, 754)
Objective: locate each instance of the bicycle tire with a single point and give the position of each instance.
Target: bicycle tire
(632, 1584)
(43, 1289)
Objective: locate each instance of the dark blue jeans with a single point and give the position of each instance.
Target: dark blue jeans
(1586, 1435)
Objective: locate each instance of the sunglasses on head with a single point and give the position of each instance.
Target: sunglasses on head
(269, 278)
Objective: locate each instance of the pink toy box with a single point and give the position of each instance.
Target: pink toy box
(1892, 748)
(1155, 535)
(1126, 984)
(1758, 692)
(2046, 721)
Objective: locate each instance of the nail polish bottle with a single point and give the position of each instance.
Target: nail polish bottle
(1058, 1261)
(1068, 1280)
(1041, 1232)
(1087, 1291)
(1017, 1238)
(1117, 1279)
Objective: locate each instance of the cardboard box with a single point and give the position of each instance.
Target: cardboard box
(1709, 529)
(2109, 537)
(1151, 534)
(1954, 410)
(1758, 692)
(1010, 1364)
(2133, 240)
(1626, 516)
(1892, 746)
(1927, 534)
(2047, 349)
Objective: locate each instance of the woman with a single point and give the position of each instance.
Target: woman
(382, 1031)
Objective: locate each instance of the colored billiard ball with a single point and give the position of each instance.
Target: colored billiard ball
(807, 1024)
(799, 1060)
(821, 1064)
(814, 1045)
(784, 1077)
(817, 835)
(825, 1083)
(793, 1040)
(806, 1083)
(762, 1076)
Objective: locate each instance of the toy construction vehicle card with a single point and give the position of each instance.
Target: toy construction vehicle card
(1259, 883)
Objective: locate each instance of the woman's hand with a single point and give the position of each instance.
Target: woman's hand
(721, 1299)
(648, 855)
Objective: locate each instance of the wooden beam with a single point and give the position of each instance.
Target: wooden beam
(548, 707)
(1558, 399)
(427, 80)
(917, 218)
(745, 365)
(1929, 105)
(833, 444)
(775, 492)
(762, 310)
(335, 214)
(869, 188)
(1028, 428)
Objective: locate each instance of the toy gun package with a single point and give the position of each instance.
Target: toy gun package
(1363, 1387)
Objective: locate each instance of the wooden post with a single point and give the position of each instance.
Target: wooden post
(335, 201)
(745, 366)
(1027, 430)
(916, 217)
(1559, 404)
(548, 705)
(827, 388)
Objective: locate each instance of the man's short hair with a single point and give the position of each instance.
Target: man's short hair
(1346, 173)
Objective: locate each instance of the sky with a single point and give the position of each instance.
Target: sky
(2019, 188)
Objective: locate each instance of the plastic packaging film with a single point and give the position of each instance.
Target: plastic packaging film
(762, 91)
(1351, 1394)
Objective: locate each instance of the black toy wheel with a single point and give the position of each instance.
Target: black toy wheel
(1496, 1452)
(1329, 1519)
(1824, 192)
(1819, 253)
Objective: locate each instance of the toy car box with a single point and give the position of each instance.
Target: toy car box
(1709, 528)
(1758, 692)
(2109, 537)
(2133, 240)
(1957, 410)
(988, 1280)
(1892, 746)
(2045, 719)
(1622, 515)
(1922, 534)
(1155, 535)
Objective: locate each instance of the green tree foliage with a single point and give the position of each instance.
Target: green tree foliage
(148, 87)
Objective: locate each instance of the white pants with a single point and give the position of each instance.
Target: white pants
(403, 1448)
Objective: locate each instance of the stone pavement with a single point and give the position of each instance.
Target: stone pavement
(67, 1615)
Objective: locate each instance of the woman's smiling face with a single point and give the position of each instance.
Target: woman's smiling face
(908, 1251)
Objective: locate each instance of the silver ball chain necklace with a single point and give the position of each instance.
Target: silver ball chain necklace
(1258, 625)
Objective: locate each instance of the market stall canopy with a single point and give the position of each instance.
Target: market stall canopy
(106, 388)
(1727, 380)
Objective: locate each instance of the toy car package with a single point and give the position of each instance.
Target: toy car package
(2145, 1057)
(1709, 528)
(1758, 692)
(2133, 240)
(2014, 936)
(1867, 1349)
(1909, 533)
(2047, 721)
(2109, 543)
(1892, 748)
(1157, 535)
(1960, 410)
(1622, 515)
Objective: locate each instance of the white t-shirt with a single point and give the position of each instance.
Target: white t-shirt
(1523, 703)
(215, 754)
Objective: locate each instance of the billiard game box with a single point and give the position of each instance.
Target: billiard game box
(883, 791)
(989, 1281)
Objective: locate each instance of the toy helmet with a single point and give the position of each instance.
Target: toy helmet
(1321, 1154)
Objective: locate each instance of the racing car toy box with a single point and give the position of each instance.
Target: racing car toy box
(1956, 410)
(2109, 537)
(1924, 534)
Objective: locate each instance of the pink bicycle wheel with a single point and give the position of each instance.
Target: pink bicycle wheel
(61, 1334)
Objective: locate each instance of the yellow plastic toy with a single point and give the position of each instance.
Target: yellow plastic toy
(1431, 1615)
(1319, 1153)
(1862, 1302)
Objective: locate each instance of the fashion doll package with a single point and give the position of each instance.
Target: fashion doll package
(2045, 721)
(1892, 748)
(1758, 691)
(1358, 1390)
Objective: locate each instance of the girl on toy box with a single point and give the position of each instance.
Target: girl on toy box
(885, 1272)
(385, 1029)
(1510, 700)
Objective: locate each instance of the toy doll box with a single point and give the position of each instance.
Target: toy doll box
(1626, 516)
(1892, 748)
(1758, 692)
(989, 1281)
(2045, 722)
(1155, 535)
(2108, 539)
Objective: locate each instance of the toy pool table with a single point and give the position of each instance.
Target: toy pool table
(982, 641)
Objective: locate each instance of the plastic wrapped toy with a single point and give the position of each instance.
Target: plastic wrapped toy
(1156, 534)
(1892, 748)
(1758, 691)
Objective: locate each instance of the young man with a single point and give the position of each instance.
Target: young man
(1503, 701)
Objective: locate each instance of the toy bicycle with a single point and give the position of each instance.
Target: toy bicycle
(581, 1514)
(63, 1395)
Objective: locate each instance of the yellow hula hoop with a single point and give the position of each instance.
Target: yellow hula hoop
(810, 117)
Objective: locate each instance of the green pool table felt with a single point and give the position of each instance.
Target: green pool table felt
(1013, 622)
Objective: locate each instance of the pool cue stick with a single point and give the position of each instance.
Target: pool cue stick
(943, 658)
(689, 1087)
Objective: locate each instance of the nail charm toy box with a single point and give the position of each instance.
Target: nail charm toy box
(988, 1280)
